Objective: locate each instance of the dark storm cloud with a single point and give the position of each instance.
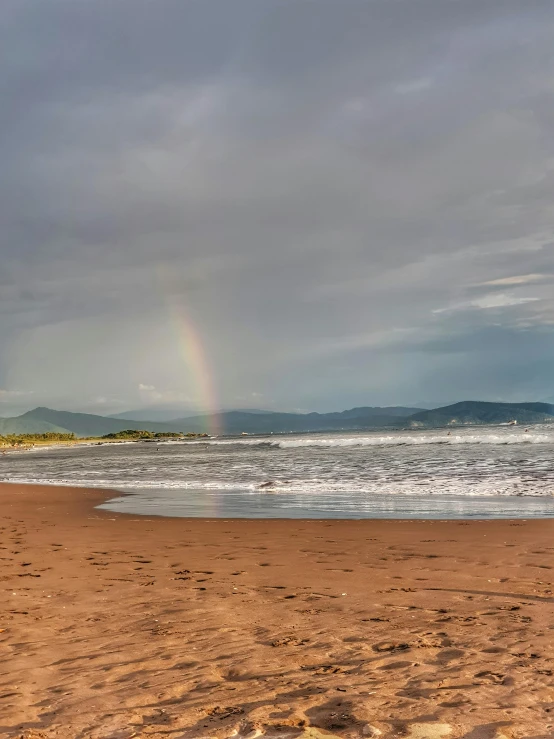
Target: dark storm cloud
(334, 191)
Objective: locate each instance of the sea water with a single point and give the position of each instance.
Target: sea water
(458, 473)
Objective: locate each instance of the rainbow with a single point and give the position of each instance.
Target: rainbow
(195, 357)
(192, 350)
(196, 360)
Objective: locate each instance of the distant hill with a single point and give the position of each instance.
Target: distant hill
(473, 412)
(236, 422)
(160, 414)
(19, 425)
(230, 422)
(394, 411)
(251, 421)
(88, 424)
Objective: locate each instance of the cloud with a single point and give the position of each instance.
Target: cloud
(7, 395)
(13, 402)
(515, 280)
(488, 302)
(150, 395)
(414, 86)
(331, 195)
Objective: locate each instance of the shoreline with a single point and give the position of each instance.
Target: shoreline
(118, 625)
(42, 446)
(113, 494)
(28, 445)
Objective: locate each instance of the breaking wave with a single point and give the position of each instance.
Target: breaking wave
(346, 490)
(337, 474)
(412, 439)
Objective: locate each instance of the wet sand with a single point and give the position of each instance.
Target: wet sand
(116, 626)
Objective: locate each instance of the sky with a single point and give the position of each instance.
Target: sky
(285, 204)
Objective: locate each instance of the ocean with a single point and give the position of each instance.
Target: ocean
(474, 472)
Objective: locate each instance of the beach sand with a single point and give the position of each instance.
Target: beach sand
(120, 626)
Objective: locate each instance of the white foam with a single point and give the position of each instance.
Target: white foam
(497, 487)
(411, 439)
(470, 461)
(284, 441)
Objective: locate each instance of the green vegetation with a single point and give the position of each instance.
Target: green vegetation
(21, 426)
(25, 439)
(142, 434)
(129, 434)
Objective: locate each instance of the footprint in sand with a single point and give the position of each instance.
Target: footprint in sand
(289, 641)
(338, 569)
(309, 611)
(490, 678)
(388, 646)
(324, 669)
(396, 665)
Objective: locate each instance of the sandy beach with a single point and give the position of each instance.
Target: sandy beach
(120, 626)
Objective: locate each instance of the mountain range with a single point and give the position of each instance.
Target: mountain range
(41, 420)
(472, 412)
(252, 421)
(163, 414)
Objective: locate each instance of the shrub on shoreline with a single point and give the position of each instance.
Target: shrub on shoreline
(23, 439)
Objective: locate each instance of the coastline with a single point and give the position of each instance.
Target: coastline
(119, 625)
(44, 445)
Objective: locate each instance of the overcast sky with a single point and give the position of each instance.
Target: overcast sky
(351, 201)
